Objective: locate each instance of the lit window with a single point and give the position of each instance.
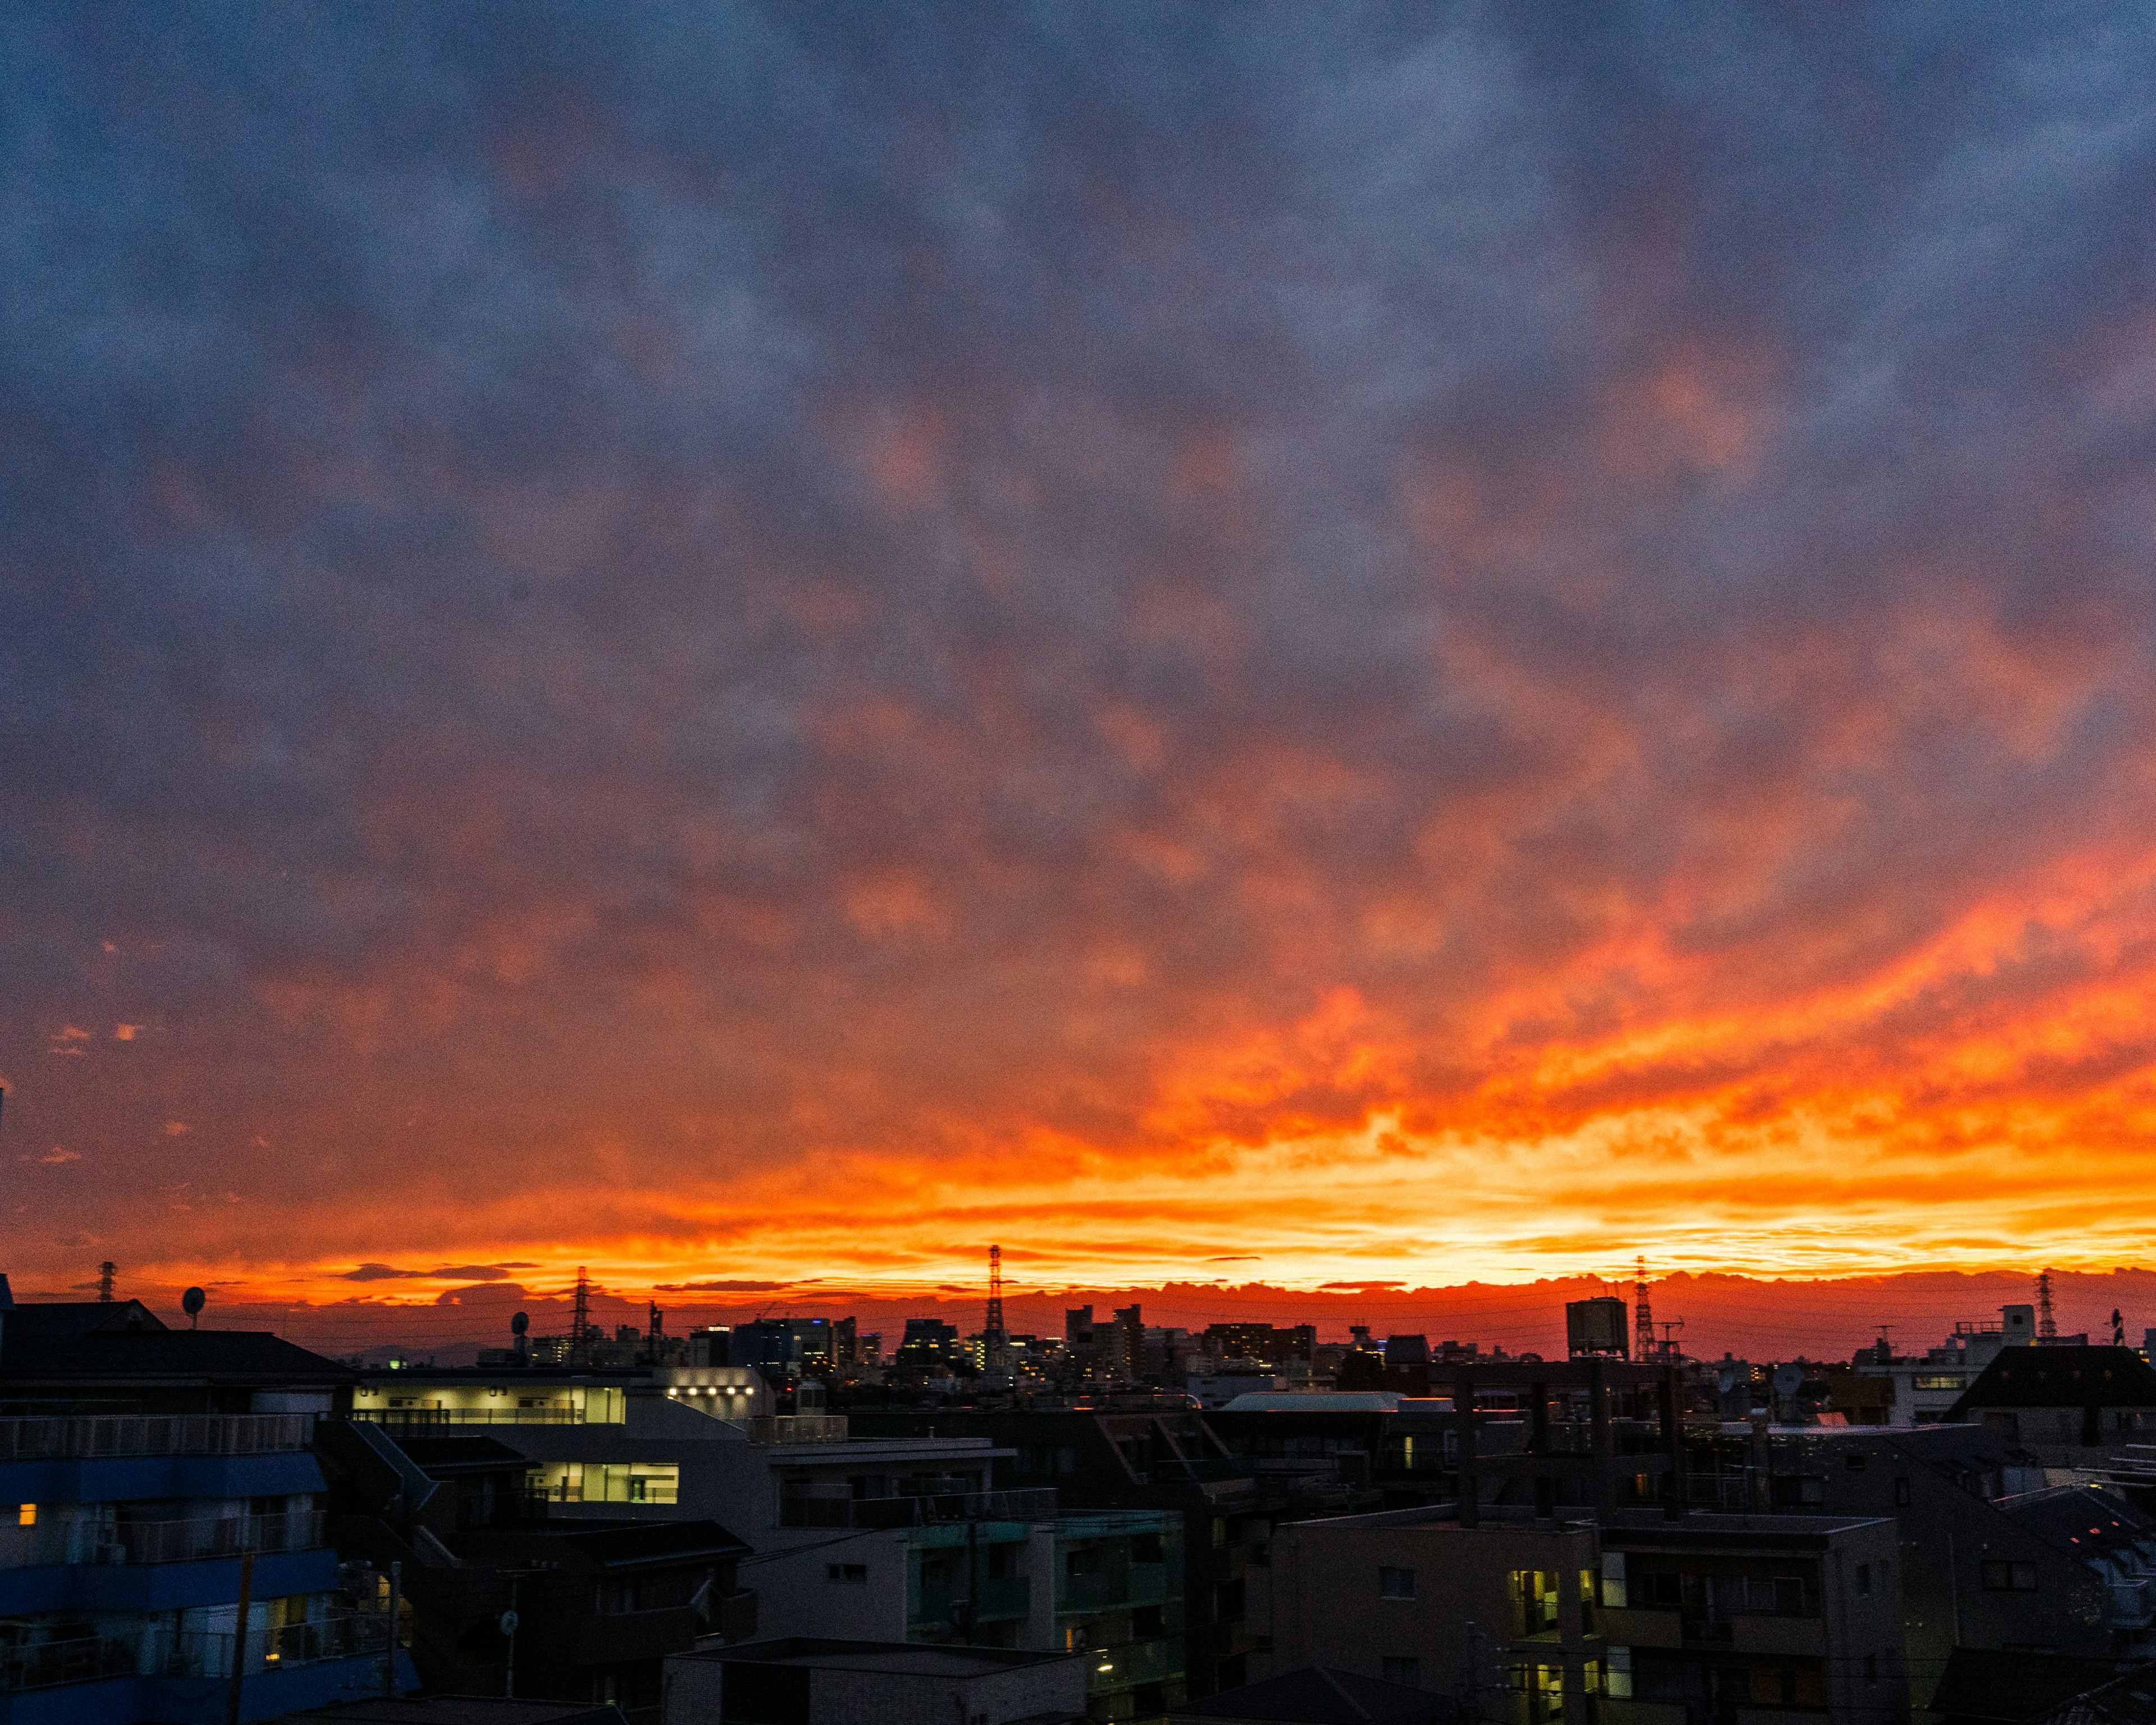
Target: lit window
(26, 1516)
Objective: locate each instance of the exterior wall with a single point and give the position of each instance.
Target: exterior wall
(796, 1596)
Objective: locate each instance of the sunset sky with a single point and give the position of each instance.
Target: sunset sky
(1309, 644)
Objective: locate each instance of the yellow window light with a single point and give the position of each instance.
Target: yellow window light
(26, 1516)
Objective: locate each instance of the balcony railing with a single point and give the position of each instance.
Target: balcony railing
(994, 1599)
(1032, 1504)
(424, 1417)
(163, 1652)
(67, 1438)
(88, 1541)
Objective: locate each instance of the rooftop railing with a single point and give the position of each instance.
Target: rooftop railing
(423, 1417)
(794, 1427)
(66, 1438)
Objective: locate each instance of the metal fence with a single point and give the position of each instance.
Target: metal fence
(64, 1437)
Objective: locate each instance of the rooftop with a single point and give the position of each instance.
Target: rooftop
(2060, 1378)
(81, 1339)
(1980, 1683)
(1319, 1695)
(462, 1710)
(894, 1658)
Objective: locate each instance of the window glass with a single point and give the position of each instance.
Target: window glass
(1394, 1584)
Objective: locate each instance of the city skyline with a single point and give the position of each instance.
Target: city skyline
(1308, 646)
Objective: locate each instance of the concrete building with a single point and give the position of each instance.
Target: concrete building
(803, 1680)
(163, 1535)
(1641, 1620)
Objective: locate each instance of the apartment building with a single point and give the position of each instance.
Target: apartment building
(163, 1554)
(1637, 1621)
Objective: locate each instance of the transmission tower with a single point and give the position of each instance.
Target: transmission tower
(580, 1316)
(105, 1273)
(1643, 1313)
(995, 1343)
(2047, 1322)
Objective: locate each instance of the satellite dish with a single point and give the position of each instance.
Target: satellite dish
(192, 1303)
(1724, 1380)
(1788, 1379)
(519, 1324)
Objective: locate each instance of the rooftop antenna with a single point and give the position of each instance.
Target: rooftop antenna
(1643, 1314)
(2047, 1322)
(1669, 1328)
(105, 1273)
(192, 1303)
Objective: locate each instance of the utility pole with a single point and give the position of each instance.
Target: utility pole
(509, 1623)
(396, 1608)
(232, 1697)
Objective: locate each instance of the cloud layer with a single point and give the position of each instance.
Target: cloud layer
(751, 643)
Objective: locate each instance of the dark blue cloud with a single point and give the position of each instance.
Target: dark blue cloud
(730, 579)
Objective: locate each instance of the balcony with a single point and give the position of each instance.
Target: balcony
(619, 1637)
(1140, 1584)
(1134, 1662)
(1034, 1504)
(87, 1540)
(1803, 1637)
(996, 1599)
(162, 1652)
(64, 1439)
(1637, 1628)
